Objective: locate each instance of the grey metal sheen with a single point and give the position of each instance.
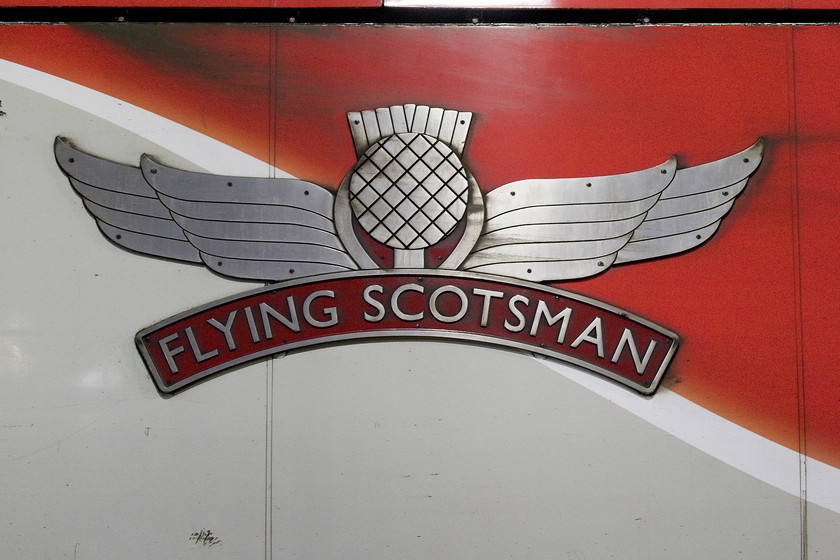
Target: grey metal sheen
(448, 126)
(409, 190)
(244, 227)
(561, 229)
(691, 208)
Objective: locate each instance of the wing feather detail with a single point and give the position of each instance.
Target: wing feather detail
(672, 244)
(129, 203)
(151, 225)
(258, 231)
(270, 251)
(557, 232)
(690, 204)
(538, 252)
(250, 228)
(305, 212)
(247, 213)
(151, 244)
(256, 269)
(558, 229)
(690, 210)
(675, 225)
(608, 190)
(569, 214)
(549, 269)
(127, 210)
(208, 188)
(562, 229)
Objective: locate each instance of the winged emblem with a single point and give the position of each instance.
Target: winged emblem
(409, 191)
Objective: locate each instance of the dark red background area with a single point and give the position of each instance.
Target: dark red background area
(755, 307)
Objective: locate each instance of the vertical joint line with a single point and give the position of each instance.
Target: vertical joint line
(269, 363)
(269, 455)
(272, 102)
(793, 135)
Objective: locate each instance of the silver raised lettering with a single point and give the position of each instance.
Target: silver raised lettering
(395, 304)
(627, 340)
(252, 325)
(542, 311)
(290, 322)
(170, 353)
(199, 355)
(485, 305)
(597, 339)
(330, 312)
(226, 328)
(380, 309)
(450, 290)
(515, 310)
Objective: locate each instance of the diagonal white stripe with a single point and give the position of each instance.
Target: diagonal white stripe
(726, 441)
(210, 154)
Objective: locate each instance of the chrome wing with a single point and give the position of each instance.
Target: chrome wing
(563, 229)
(241, 227)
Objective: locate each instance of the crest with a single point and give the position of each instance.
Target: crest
(407, 246)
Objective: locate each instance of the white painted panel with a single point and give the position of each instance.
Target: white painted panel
(823, 524)
(94, 462)
(441, 450)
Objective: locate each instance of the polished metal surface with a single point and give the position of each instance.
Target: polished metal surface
(542, 271)
(409, 258)
(127, 210)
(557, 229)
(558, 232)
(344, 226)
(409, 191)
(607, 190)
(537, 252)
(244, 227)
(472, 230)
(599, 215)
(561, 229)
(474, 223)
(691, 208)
(449, 126)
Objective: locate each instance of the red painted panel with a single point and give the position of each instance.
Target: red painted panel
(205, 77)
(619, 4)
(196, 3)
(595, 4)
(818, 177)
(551, 102)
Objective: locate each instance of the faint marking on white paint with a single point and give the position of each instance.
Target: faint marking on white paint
(205, 537)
